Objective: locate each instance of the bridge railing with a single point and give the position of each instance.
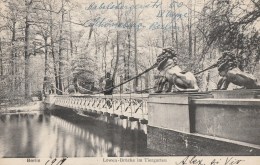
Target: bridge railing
(132, 106)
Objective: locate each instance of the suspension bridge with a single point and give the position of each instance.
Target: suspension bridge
(192, 123)
(125, 106)
(181, 123)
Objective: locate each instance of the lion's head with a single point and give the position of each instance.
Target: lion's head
(228, 61)
(167, 56)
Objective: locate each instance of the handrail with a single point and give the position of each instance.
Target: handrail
(133, 107)
(106, 96)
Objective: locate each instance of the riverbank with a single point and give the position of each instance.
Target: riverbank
(26, 107)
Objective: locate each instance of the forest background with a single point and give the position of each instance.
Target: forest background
(45, 42)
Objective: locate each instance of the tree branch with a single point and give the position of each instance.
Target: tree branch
(257, 4)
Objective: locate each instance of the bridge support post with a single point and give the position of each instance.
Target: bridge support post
(197, 124)
(169, 113)
(49, 102)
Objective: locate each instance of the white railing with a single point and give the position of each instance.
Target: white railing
(131, 106)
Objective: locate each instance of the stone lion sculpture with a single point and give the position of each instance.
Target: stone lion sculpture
(230, 69)
(172, 74)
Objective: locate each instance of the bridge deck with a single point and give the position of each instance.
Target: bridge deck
(129, 106)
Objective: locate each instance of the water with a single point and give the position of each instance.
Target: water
(62, 133)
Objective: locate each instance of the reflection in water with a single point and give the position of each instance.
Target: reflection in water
(67, 134)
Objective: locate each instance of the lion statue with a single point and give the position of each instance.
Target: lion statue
(230, 69)
(172, 74)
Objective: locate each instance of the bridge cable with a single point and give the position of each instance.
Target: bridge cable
(147, 70)
(152, 67)
(208, 68)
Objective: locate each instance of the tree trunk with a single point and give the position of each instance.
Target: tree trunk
(194, 32)
(146, 81)
(195, 44)
(117, 47)
(60, 51)
(135, 42)
(1, 59)
(26, 60)
(162, 24)
(105, 54)
(190, 32)
(129, 54)
(125, 65)
(45, 79)
(176, 31)
(172, 23)
(71, 42)
(117, 56)
(27, 55)
(13, 57)
(53, 52)
(89, 36)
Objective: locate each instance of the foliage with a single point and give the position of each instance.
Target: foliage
(233, 26)
(56, 34)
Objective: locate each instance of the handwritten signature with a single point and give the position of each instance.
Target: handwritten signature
(193, 160)
(56, 161)
(127, 6)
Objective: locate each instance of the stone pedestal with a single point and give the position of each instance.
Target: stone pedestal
(198, 124)
(233, 119)
(172, 111)
(169, 112)
(233, 115)
(238, 93)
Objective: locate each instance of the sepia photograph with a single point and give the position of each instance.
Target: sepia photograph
(130, 82)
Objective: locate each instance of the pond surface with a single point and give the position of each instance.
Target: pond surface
(62, 133)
